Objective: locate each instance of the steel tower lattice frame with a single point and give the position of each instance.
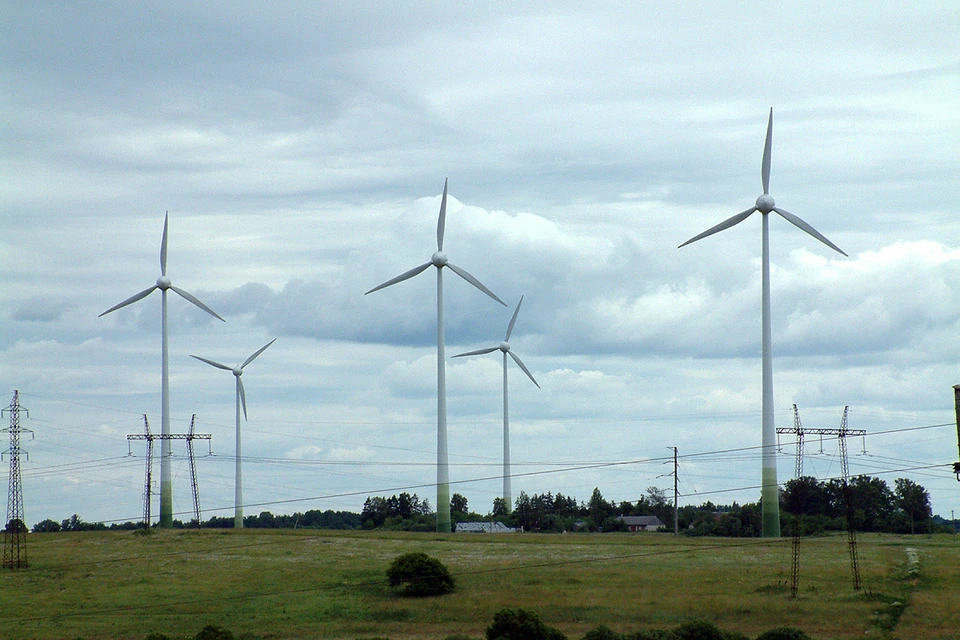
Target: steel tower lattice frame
(15, 529)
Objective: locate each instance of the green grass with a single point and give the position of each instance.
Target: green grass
(308, 584)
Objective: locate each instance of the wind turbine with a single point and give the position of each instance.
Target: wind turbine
(163, 284)
(439, 260)
(505, 348)
(241, 401)
(765, 204)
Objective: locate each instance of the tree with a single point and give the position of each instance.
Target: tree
(458, 505)
(417, 574)
(500, 507)
(46, 526)
(598, 508)
(16, 525)
(913, 501)
(805, 496)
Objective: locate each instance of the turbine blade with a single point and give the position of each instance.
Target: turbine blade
(513, 320)
(243, 397)
(213, 363)
(476, 353)
(767, 146)
(442, 221)
(517, 359)
(190, 298)
(796, 221)
(163, 246)
(469, 278)
(140, 296)
(257, 353)
(406, 275)
(726, 224)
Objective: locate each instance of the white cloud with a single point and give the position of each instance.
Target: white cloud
(302, 162)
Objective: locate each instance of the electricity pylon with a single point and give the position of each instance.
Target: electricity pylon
(15, 533)
(190, 436)
(842, 433)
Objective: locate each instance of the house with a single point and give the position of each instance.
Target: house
(642, 523)
(483, 527)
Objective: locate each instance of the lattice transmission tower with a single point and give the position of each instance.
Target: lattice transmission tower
(842, 433)
(798, 516)
(15, 532)
(190, 436)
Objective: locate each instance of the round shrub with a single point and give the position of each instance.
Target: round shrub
(519, 624)
(213, 632)
(603, 633)
(783, 633)
(417, 574)
(703, 630)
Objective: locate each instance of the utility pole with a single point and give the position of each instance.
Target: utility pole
(956, 404)
(150, 437)
(15, 533)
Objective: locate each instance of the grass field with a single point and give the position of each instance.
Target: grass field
(322, 584)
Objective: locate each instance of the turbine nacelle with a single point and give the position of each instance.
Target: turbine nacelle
(765, 203)
(439, 259)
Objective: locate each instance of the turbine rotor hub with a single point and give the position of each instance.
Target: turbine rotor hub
(439, 259)
(504, 346)
(765, 203)
(237, 371)
(164, 283)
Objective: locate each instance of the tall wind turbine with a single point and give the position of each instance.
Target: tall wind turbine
(765, 204)
(163, 284)
(505, 348)
(439, 260)
(241, 402)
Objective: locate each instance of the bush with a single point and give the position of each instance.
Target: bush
(509, 624)
(703, 630)
(417, 574)
(783, 633)
(651, 634)
(211, 632)
(603, 633)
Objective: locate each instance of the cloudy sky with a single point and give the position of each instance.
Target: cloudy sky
(301, 149)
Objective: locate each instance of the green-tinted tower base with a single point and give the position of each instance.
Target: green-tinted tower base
(770, 505)
(443, 509)
(166, 505)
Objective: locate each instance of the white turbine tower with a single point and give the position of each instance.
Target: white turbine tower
(241, 402)
(439, 260)
(163, 284)
(505, 348)
(765, 204)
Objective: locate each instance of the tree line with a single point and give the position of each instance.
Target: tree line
(818, 506)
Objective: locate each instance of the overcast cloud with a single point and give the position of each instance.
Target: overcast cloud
(301, 150)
